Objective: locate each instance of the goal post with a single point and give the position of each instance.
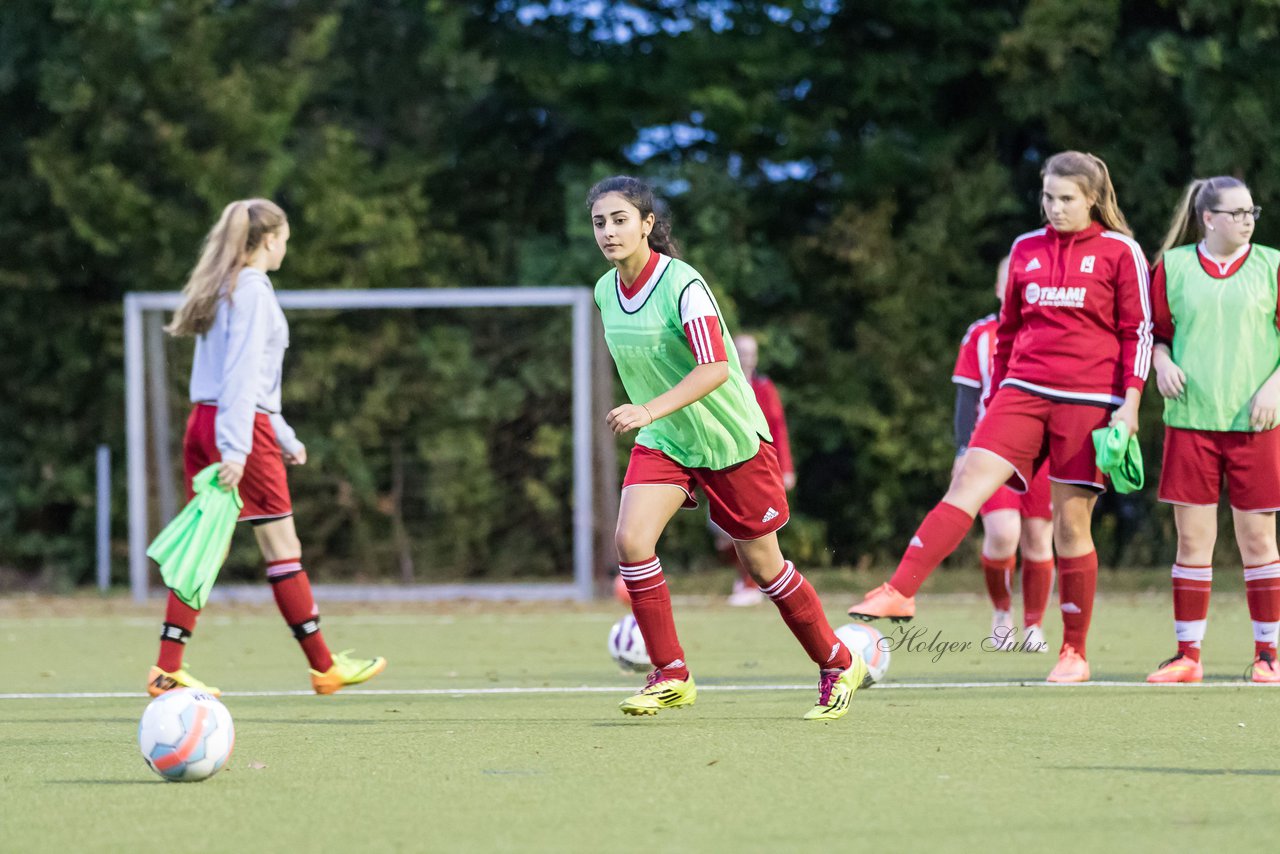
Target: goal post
(594, 468)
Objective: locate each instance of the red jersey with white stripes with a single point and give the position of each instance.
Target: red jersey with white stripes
(976, 362)
(1076, 320)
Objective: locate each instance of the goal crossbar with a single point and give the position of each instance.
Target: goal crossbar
(579, 299)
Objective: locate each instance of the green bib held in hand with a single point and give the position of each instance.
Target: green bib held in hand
(1119, 457)
(192, 548)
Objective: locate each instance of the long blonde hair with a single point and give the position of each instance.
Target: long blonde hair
(226, 249)
(1188, 217)
(1095, 180)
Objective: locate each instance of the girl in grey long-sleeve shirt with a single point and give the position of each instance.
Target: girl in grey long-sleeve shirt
(235, 423)
(238, 366)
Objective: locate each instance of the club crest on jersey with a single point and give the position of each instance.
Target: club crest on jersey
(1033, 264)
(1086, 264)
(1054, 297)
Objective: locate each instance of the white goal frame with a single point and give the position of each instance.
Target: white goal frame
(145, 378)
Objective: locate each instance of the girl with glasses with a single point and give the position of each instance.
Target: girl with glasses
(1216, 357)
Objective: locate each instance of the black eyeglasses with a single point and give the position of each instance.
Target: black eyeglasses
(1238, 216)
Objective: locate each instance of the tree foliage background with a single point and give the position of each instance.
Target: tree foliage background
(845, 173)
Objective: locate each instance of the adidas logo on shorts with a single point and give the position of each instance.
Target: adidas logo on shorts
(771, 514)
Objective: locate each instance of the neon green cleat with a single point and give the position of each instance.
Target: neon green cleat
(346, 671)
(659, 693)
(159, 681)
(835, 690)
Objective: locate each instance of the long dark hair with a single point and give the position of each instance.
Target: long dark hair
(641, 195)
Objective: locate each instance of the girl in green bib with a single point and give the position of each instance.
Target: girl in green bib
(699, 425)
(1217, 362)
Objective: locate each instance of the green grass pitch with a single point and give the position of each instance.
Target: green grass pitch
(994, 767)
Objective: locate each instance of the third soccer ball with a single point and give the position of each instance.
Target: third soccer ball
(626, 645)
(865, 641)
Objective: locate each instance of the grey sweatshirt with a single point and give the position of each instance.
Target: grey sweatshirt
(239, 363)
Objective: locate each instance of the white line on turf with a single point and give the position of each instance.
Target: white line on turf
(610, 689)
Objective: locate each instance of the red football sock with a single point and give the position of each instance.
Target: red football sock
(179, 623)
(1077, 583)
(999, 577)
(1037, 584)
(801, 610)
(651, 605)
(1262, 589)
(292, 590)
(938, 535)
(1191, 585)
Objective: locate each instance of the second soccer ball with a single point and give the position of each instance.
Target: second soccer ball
(626, 645)
(865, 641)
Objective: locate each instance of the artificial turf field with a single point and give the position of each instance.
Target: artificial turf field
(465, 743)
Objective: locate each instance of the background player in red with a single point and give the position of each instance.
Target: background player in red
(241, 334)
(1217, 361)
(1072, 353)
(745, 590)
(1009, 520)
(699, 426)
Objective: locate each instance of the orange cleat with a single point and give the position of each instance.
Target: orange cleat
(1265, 671)
(885, 601)
(1180, 668)
(1071, 666)
(345, 671)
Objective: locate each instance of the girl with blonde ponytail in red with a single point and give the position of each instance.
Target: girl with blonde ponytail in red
(1073, 348)
(230, 307)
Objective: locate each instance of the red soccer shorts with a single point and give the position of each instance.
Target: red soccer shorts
(1195, 461)
(264, 489)
(1035, 503)
(747, 500)
(1024, 430)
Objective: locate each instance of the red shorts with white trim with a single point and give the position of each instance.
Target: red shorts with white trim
(1196, 461)
(1035, 503)
(264, 489)
(1025, 430)
(748, 500)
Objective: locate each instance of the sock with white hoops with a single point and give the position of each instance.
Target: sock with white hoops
(801, 610)
(651, 606)
(1262, 588)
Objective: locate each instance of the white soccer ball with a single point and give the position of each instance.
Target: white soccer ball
(865, 641)
(626, 645)
(186, 735)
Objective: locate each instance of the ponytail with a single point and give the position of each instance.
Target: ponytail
(660, 239)
(226, 249)
(1094, 179)
(1188, 217)
(641, 195)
